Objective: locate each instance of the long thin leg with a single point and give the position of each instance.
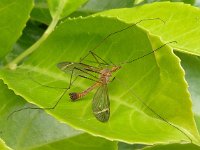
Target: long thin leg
(112, 79)
(148, 53)
(48, 108)
(87, 72)
(118, 31)
(43, 84)
(89, 78)
(133, 94)
(66, 89)
(70, 83)
(96, 56)
(60, 87)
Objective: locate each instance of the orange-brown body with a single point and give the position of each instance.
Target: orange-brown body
(104, 78)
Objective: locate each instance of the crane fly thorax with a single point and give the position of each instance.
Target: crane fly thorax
(105, 75)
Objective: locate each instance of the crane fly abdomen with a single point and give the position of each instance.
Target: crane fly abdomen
(74, 96)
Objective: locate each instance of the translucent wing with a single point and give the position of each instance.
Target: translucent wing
(80, 68)
(101, 104)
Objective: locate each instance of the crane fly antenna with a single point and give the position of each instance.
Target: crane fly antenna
(149, 52)
(118, 31)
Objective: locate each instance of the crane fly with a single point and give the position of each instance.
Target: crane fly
(101, 102)
(79, 69)
(101, 76)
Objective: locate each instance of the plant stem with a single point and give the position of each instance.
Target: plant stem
(13, 63)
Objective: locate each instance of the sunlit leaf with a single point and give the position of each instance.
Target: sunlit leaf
(34, 129)
(157, 79)
(182, 23)
(3, 145)
(13, 14)
(174, 147)
(191, 65)
(62, 8)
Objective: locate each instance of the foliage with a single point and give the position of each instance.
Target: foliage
(150, 100)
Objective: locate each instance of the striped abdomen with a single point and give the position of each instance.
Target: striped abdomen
(75, 96)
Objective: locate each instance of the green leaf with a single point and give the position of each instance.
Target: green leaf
(31, 33)
(174, 147)
(83, 142)
(99, 5)
(41, 12)
(13, 14)
(157, 79)
(3, 146)
(34, 129)
(93, 6)
(62, 8)
(182, 23)
(184, 1)
(58, 9)
(191, 65)
(125, 146)
(192, 2)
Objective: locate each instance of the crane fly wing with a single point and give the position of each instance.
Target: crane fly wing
(69, 66)
(101, 104)
(81, 69)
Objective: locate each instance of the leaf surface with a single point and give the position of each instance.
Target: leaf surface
(152, 79)
(3, 146)
(14, 15)
(182, 23)
(62, 8)
(191, 65)
(41, 12)
(34, 129)
(94, 6)
(174, 147)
